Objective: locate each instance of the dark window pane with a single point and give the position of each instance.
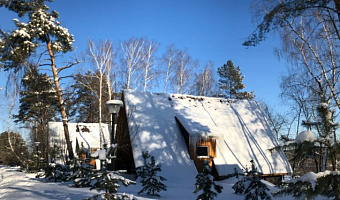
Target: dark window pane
(202, 151)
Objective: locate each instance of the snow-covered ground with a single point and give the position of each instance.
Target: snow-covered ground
(15, 185)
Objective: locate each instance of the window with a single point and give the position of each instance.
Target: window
(202, 151)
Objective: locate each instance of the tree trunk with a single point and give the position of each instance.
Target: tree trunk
(60, 99)
(9, 123)
(337, 6)
(108, 83)
(166, 79)
(336, 182)
(100, 96)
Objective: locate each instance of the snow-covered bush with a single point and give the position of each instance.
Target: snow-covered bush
(108, 181)
(112, 197)
(257, 190)
(205, 182)
(252, 186)
(82, 177)
(304, 136)
(151, 182)
(310, 185)
(58, 172)
(241, 185)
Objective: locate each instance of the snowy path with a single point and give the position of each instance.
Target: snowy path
(15, 185)
(24, 186)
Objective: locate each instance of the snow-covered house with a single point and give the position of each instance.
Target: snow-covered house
(181, 131)
(86, 135)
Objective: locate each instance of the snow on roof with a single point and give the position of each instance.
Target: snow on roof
(247, 136)
(88, 135)
(242, 131)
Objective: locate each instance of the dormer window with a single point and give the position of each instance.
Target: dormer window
(202, 151)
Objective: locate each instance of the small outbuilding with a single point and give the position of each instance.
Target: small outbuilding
(82, 136)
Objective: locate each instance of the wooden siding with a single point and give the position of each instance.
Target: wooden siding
(124, 160)
(194, 141)
(210, 142)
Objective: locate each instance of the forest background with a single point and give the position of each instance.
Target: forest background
(207, 32)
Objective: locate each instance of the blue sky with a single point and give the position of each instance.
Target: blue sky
(209, 29)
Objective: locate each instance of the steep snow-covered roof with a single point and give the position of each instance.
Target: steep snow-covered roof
(88, 135)
(242, 131)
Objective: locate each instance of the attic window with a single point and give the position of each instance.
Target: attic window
(202, 151)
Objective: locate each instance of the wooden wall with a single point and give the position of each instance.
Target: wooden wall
(202, 141)
(124, 160)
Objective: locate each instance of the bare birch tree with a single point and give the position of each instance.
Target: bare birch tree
(169, 58)
(13, 85)
(132, 56)
(101, 56)
(310, 38)
(149, 63)
(183, 71)
(205, 81)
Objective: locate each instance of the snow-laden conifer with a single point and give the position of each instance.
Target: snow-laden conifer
(257, 190)
(205, 182)
(252, 186)
(310, 185)
(105, 180)
(151, 182)
(42, 32)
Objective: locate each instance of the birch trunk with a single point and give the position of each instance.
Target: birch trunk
(9, 123)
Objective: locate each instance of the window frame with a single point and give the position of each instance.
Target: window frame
(202, 156)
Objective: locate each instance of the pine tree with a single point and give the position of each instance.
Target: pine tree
(38, 105)
(231, 82)
(108, 181)
(257, 190)
(240, 186)
(85, 99)
(41, 32)
(82, 175)
(57, 172)
(105, 180)
(251, 185)
(151, 182)
(204, 182)
(38, 101)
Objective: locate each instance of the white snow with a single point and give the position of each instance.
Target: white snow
(307, 135)
(241, 130)
(89, 134)
(24, 186)
(21, 33)
(240, 124)
(102, 154)
(312, 177)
